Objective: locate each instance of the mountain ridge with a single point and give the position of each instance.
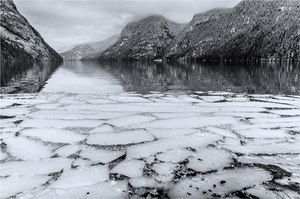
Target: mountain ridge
(19, 40)
(89, 50)
(264, 30)
(252, 30)
(132, 44)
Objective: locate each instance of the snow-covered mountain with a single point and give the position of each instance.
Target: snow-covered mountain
(263, 30)
(252, 30)
(146, 39)
(19, 40)
(89, 51)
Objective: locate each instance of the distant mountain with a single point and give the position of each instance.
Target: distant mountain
(89, 51)
(146, 39)
(257, 29)
(19, 40)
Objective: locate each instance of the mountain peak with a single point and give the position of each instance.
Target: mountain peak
(146, 39)
(19, 40)
(89, 50)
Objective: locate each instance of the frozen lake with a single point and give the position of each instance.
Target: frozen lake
(96, 130)
(143, 77)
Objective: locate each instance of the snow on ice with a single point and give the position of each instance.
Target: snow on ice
(157, 145)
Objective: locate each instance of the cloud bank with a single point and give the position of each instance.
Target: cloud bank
(64, 23)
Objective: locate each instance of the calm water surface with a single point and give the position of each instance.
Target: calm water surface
(144, 77)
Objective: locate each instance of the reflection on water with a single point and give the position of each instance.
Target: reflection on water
(264, 78)
(83, 78)
(25, 77)
(143, 77)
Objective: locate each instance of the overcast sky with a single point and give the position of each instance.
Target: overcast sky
(63, 23)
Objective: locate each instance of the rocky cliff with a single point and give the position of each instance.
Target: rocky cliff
(251, 30)
(146, 39)
(19, 40)
(89, 51)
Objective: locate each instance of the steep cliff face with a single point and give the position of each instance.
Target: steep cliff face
(251, 30)
(89, 51)
(146, 39)
(19, 40)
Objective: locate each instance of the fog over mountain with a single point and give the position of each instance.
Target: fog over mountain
(67, 23)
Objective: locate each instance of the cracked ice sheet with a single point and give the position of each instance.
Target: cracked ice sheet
(149, 108)
(122, 138)
(243, 105)
(169, 133)
(11, 112)
(128, 121)
(49, 123)
(293, 120)
(190, 122)
(221, 131)
(130, 168)
(99, 155)
(264, 133)
(288, 112)
(173, 109)
(53, 135)
(289, 163)
(261, 147)
(82, 176)
(235, 179)
(74, 115)
(25, 148)
(34, 166)
(102, 190)
(3, 156)
(5, 103)
(262, 192)
(209, 159)
(174, 155)
(15, 184)
(129, 98)
(67, 150)
(165, 170)
(105, 128)
(151, 148)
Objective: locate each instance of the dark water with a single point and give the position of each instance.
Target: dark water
(25, 77)
(143, 77)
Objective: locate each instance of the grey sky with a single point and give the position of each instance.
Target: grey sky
(64, 23)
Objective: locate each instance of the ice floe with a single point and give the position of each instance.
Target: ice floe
(14, 185)
(99, 155)
(81, 176)
(130, 120)
(48, 123)
(23, 148)
(53, 135)
(121, 138)
(204, 145)
(206, 160)
(129, 168)
(101, 190)
(30, 167)
(218, 184)
(147, 149)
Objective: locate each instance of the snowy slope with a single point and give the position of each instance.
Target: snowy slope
(19, 40)
(146, 39)
(251, 30)
(88, 51)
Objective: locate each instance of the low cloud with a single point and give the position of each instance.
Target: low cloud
(68, 22)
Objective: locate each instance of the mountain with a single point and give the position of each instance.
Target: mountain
(89, 51)
(146, 39)
(258, 29)
(19, 40)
